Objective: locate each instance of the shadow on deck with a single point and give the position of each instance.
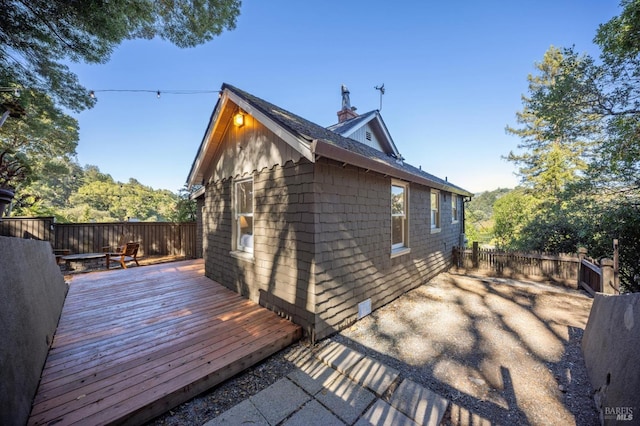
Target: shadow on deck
(132, 344)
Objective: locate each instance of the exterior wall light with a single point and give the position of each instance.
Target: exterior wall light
(238, 119)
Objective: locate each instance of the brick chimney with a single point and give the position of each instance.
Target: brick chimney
(347, 112)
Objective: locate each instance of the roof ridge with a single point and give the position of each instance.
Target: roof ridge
(312, 131)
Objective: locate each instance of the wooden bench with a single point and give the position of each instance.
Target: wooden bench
(81, 257)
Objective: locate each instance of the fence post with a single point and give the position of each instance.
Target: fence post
(616, 276)
(474, 256)
(607, 281)
(582, 253)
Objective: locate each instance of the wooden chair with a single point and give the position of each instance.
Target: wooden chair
(127, 253)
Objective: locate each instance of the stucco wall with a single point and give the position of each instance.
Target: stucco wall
(611, 347)
(33, 292)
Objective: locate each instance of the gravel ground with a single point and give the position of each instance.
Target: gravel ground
(502, 351)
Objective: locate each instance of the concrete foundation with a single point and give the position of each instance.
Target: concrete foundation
(611, 344)
(32, 293)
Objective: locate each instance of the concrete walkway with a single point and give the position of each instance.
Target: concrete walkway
(338, 386)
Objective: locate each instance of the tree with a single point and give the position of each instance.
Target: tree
(512, 213)
(596, 103)
(45, 138)
(38, 36)
(554, 147)
(186, 207)
(99, 197)
(479, 221)
(37, 40)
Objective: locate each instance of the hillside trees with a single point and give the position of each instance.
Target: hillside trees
(479, 215)
(39, 38)
(87, 194)
(580, 133)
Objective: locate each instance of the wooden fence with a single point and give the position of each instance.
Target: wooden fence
(571, 270)
(156, 238)
(539, 266)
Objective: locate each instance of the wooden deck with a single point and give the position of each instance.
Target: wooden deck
(131, 344)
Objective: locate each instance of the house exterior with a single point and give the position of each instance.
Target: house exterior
(319, 224)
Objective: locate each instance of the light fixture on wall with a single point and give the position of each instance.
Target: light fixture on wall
(243, 222)
(238, 119)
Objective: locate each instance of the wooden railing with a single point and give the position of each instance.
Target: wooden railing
(599, 276)
(590, 276)
(155, 238)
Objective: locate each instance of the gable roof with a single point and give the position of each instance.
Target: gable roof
(375, 121)
(312, 141)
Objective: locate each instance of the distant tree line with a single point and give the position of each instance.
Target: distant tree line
(85, 194)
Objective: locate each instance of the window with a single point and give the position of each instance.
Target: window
(399, 207)
(244, 215)
(435, 209)
(454, 208)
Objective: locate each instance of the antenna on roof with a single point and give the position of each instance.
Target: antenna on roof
(381, 89)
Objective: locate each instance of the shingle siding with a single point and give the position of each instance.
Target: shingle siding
(322, 242)
(353, 256)
(280, 275)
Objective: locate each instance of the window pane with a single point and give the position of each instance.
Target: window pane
(397, 200)
(397, 232)
(435, 207)
(454, 207)
(244, 194)
(245, 223)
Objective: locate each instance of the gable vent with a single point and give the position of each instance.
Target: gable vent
(367, 135)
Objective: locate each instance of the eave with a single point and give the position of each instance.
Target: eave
(328, 150)
(227, 105)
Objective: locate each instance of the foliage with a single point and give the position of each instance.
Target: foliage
(12, 167)
(580, 129)
(186, 207)
(512, 212)
(88, 195)
(37, 37)
(479, 215)
(43, 137)
(554, 148)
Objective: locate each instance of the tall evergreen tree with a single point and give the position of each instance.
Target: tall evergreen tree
(553, 150)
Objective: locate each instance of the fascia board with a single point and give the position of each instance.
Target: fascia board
(298, 143)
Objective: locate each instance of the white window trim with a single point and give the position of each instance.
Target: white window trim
(455, 202)
(239, 251)
(435, 229)
(401, 248)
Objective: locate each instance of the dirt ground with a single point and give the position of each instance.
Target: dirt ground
(502, 351)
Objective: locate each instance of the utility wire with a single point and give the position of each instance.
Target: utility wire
(158, 92)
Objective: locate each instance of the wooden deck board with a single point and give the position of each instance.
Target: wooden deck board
(131, 344)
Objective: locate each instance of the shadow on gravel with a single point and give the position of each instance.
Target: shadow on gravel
(502, 352)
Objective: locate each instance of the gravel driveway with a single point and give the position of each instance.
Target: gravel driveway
(502, 351)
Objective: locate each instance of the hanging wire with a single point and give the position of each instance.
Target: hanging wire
(157, 92)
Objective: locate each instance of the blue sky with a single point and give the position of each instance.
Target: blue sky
(454, 73)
